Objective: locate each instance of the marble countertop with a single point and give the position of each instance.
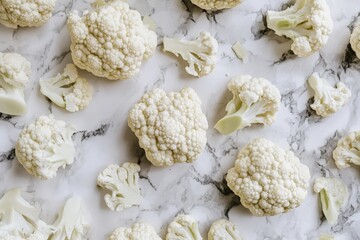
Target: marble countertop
(197, 189)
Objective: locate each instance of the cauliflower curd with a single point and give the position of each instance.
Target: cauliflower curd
(215, 4)
(138, 231)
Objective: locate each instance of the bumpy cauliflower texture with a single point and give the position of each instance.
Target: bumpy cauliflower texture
(171, 127)
(268, 179)
(215, 4)
(138, 231)
(348, 151)
(355, 39)
(183, 227)
(223, 230)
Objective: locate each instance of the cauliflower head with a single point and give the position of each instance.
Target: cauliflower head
(347, 151)
(223, 230)
(214, 5)
(255, 101)
(171, 127)
(110, 41)
(327, 99)
(308, 23)
(355, 39)
(25, 13)
(138, 231)
(268, 179)
(184, 227)
(44, 146)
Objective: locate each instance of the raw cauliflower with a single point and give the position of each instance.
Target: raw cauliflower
(268, 179)
(214, 5)
(183, 227)
(347, 151)
(171, 127)
(138, 231)
(223, 230)
(355, 39)
(110, 41)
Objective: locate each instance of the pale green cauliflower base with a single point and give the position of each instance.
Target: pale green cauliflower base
(215, 4)
(138, 231)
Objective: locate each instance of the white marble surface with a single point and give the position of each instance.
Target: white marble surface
(197, 189)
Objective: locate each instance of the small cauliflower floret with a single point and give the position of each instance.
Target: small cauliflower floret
(123, 182)
(68, 90)
(25, 13)
(268, 179)
(200, 53)
(333, 196)
(308, 23)
(355, 39)
(111, 41)
(347, 151)
(255, 101)
(15, 71)
(138, 231)
(327, 99)
(171, 127)
(214, 5)
(223, 230)
(183, 227)
(44, 146)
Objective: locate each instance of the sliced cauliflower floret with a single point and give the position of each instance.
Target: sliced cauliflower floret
(123, 182)
(44, 146)
(223, 230)
(348, 151)
(15, 71)
(308, 23)
(138, 231)
(25, 13)
(333, 196)
(327, 99)
(355, 39)
(171, 127)
(255, 100)
(268, 179)
(200, 53)
(183, 227)
(215, 4)
(68, 90)
(110, 41)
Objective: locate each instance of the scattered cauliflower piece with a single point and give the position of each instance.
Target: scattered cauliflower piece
(138, 231)
(183, 227)
(111, 41)
(171, 127)
(308, 23)
(355, 39)
(239, 51)
(200, 53)
(333, 196)
(44, 146)
(348, 151)
(15, 71)
(123, 182)
(68, 90)
(223, 230)
(214, 5)
(326, 236)
(255, 100)
(268, 179)
(327, 99)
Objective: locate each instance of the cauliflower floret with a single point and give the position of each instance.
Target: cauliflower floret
(44, 146)
(111, 41)
(123, 182)
(25, 13)
(15, 71)
(200, 53)
(255, 100)
(327, 99)
(308, 23)
(138, 231)
(215, 4)
(171, 127)
(348, 151)
(68, 90)
(183, 227)
(223, 230)
(268, 179)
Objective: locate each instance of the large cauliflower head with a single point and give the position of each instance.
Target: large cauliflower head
(171, 127)
(215, 4)
(268, 179)
(110, 41)
(138, 231)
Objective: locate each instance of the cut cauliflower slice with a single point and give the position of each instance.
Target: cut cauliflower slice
(68, 90)
(44, 146)
(268, 179)
(223, 230)
(183, 227)
(355, 39)
(308, 23)
(200, 54)
(333, 196)
(123, 182)
(214, 5)
(25, 13)
(347, 151)
(111, 41)
(327, 99)
(255, 100)
(138, 231)
(171, 127)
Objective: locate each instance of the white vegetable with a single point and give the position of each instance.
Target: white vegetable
(347, 151)
(325, 236)
(355, 39)
(215, 4)
(123, 182)
(138, 231)
(240, 51)
(223, 230)
(183, 227)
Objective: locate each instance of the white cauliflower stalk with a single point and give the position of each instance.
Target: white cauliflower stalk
(110, 41)
(44, 146)
(268, 179)
(15, 71)
(355, 39)
(223, 230)
(138, 231)
(171, 127)
(214, 5)
(183, 227)
(68, 90)
(347, 151)
(327, 99)
(123, 182)
(200, 54)
(255, 101)
(308, 23)
(333, 195)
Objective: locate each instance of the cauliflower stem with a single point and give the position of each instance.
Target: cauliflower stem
(11, 99)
